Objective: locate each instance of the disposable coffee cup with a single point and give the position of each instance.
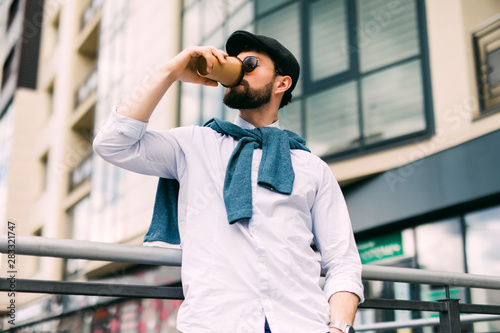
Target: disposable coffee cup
(229, 74)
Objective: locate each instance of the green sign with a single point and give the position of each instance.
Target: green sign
(386, 246)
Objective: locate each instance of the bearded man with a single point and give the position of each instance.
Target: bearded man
(247, 260)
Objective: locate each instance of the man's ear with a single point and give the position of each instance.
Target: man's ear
(283, 83)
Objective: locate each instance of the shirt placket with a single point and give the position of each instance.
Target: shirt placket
(254, 227)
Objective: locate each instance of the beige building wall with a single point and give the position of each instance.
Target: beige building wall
(24, 187)
(53, 132)
(27, 205)
(450, 24)
(132, 46)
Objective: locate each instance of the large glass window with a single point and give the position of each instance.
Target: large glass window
(387, 32)
(387, 117)
(328, 39)
(284, 25)
(332, 120)
(432, 254)
(465, 243)
(483, 256)
(363, 80)
(210, 23)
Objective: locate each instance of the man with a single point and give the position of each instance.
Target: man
(245, 270)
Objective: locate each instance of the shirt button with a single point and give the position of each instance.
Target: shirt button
(264, 296)
(261, 259)
(252, 230)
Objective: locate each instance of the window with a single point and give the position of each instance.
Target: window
(77, 228)
(55, 28)
(37, 266)
(8, 67)
(364, 79)
(44, 171)
(483, 255)
(210, 23)
(487, 56)
(80, 173)
(430, 252)
(363, 65)
(13, 9)
(50, 95)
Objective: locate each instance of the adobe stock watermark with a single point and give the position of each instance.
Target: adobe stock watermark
(380, 19)
(11, 271)
(151, 82)
(73, 156)
(225, 6)
(454, 117)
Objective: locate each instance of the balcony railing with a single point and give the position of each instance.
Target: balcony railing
(451, 312)
(89, 12)
(88, 86)
(80, 173)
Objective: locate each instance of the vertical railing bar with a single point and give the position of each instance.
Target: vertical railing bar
(449, 320)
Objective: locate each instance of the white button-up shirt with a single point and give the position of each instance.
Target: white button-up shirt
(235, 276)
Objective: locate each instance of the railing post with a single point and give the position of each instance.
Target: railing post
(449, 320)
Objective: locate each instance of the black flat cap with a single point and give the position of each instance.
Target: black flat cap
(282, 57)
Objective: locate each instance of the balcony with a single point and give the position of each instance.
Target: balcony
(81, 173)
(86, 89)
(90, 12)
(87, 42)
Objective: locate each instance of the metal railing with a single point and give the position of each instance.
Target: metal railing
(449, 310)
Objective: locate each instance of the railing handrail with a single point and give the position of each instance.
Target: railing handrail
(99, 251)
(449, 310)
(423, 322)
(136, 254)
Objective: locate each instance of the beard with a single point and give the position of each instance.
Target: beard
(248, 98)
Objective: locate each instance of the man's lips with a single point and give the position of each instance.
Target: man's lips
(243, 83)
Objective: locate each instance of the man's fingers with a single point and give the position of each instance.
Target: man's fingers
(211, 54)
(189, 73)
(221, 55)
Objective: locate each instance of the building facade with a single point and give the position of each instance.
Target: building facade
(400, 97)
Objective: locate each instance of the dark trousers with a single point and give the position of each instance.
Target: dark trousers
(266, 327)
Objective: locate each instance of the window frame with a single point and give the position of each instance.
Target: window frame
(491, 26)
(310, 88)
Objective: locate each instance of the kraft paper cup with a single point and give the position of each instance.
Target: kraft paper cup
(229, 74)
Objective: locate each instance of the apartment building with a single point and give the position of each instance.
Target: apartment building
(22, 165)
(400, 97)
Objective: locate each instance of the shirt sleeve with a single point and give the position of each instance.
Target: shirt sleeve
(334, 238)
(125, 142)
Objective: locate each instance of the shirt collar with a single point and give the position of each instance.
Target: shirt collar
(246, 125)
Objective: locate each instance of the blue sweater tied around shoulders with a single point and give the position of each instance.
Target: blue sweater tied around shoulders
(275, 173)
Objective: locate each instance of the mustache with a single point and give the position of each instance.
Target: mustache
(244, 83)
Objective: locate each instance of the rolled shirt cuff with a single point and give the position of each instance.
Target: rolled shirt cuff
(347, 286)
(129, 127)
